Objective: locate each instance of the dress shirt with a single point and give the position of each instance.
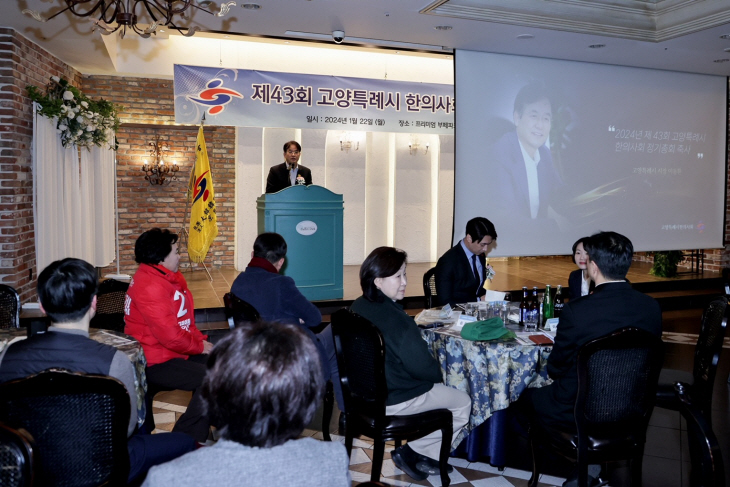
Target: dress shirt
(532, 184)
(469, 254)
(293, 170)
(585, 285)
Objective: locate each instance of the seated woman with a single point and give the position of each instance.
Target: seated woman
(263, 386)
(412, 375)
(579, 284)
(159, 313)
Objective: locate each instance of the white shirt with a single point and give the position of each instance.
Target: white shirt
(585, 284)
(293, 170)
(532, 185)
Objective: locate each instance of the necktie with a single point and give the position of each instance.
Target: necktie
(476, 272)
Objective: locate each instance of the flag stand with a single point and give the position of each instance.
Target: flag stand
(184, 234)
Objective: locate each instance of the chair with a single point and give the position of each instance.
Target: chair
(16, 457)
(79, 424)
(429, 287)
(239, 311)
(361, 362)
(617, 380)
(707, 356)
(110, 305)
(707, 465)
(9, 307)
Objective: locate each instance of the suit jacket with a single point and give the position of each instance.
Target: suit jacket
(455, 281)
(278, 178)
(509, 177)
(612, 306)
(575, 282)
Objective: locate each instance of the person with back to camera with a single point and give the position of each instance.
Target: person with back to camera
(67, 294)
(263, 386)
(277, 298)
(412, 375)
(289, 172)
(160, 314)
(579, 282)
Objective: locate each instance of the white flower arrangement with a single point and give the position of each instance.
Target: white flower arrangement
(80, 120)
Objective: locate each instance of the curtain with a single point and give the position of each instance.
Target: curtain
(73, 199)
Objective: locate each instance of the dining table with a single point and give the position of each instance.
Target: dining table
(494, 374)
(122, 342)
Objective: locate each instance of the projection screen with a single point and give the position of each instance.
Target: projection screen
(552, 150)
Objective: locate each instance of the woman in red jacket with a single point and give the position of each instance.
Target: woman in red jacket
(159, 313)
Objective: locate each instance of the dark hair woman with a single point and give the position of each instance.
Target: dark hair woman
(413, 376)
(160, 314)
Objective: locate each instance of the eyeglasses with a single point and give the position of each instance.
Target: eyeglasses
(292, 152)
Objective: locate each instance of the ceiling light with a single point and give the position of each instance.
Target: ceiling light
(725, 36)
(443, 27)
(119, 12)
(721, 60)
(597, 46)
(525, 36)
(251, 6)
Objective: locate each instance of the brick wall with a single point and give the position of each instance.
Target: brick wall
(148, 112)
(22, 63)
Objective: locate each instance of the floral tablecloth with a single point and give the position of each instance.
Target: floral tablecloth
(494, 374)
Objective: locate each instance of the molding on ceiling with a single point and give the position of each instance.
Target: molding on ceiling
(650, 21)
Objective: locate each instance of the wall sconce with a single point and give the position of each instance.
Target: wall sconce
(413, 146)
(157, 173)
(346, 144)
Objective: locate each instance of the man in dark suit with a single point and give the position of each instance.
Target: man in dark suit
(612, 306)
(290, 172)
(522, 165)
(461, 271)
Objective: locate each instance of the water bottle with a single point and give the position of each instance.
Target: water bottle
(524, 306)
(559, 302)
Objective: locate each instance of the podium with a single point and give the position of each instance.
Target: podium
(310, 220)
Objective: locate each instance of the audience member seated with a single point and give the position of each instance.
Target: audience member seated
(160, 314)
(263, 386)
(579, 283)
(612, 306)
(460, 272)
(412, 375)
(277, 298)
(67, 294)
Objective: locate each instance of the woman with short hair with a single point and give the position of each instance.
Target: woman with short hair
(159, 312)
(412, 375)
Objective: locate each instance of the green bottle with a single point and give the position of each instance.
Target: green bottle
(547, 306)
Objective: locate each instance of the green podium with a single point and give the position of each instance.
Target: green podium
(310, 220)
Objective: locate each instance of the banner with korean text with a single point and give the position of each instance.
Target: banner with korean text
(246, 98)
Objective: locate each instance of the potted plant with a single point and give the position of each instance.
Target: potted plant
(666, 262)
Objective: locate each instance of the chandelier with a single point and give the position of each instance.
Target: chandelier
(157, 173)
(125, 13)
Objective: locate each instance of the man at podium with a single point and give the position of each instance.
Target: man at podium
(289, 172)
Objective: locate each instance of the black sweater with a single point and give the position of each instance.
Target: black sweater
(410, 369)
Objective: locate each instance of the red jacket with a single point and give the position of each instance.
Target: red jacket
(159, 313)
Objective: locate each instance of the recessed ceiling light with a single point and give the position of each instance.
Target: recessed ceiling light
(597, 46)
(286, 42)
(725, 36)
(443, 27)
(251, 6)
(721, 60)
(525, 36)
(161, 31)
(226, 37)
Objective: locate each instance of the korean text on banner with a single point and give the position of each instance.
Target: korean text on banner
(203, 223)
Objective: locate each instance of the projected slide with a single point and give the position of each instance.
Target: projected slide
(553, 150)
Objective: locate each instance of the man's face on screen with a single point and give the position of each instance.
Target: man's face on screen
(533, 125)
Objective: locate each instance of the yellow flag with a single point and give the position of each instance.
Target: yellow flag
(203, 223)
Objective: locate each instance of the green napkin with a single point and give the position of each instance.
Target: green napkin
(486, 330)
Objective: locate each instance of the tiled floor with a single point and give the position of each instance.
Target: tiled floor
(666, 461)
